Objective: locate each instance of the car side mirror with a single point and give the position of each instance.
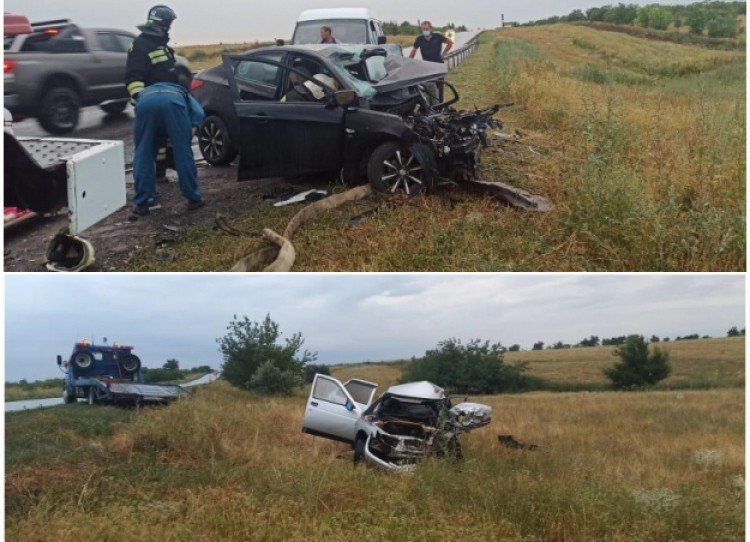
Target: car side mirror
(349, 406)
(382, 40)
(343, 98)
(279, 42)
(59, 359)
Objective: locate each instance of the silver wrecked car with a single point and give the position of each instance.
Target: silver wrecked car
(406, 423)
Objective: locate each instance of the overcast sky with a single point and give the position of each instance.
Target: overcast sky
(241, 20)
(350, 318)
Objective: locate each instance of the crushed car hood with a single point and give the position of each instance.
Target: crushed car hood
(417, 390)
(406, 72)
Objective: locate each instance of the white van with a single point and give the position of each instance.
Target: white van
(348, 25)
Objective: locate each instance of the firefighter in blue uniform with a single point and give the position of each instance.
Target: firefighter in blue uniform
(163, 108)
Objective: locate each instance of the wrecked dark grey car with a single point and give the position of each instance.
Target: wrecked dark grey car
(378, 121)
(407, 423)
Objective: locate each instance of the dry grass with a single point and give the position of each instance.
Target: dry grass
(638, 143)
(207, 56)
(228, 465)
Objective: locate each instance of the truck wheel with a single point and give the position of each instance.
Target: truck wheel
(130, 363)
(215, 143)
(83, 360)
(92, 396)
(114, 108)
(392, 168)
(359, 450)
(68, 398)
(59, 110)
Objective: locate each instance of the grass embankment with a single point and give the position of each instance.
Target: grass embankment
(227, 465)
(640, 145)
(43, 389)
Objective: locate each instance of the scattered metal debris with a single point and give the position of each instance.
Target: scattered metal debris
(509, 441)
(302, 197)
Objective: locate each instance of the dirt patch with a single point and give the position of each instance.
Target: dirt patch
(116, 239)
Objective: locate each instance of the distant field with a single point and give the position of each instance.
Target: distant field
(227, 465)
(638, 143)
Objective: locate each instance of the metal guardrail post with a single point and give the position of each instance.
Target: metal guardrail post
(454, 58)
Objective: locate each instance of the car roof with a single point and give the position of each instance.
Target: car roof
(335, 13)
(418, 390)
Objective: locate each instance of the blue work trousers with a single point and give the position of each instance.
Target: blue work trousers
(162, 109)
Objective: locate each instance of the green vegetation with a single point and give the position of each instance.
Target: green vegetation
(37, 389)
(255, 360)
(409, 29)
(638, 367)
(474, 367)
(227, 464)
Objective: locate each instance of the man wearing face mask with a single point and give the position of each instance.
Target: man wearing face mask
(430, 45)
(163, 108)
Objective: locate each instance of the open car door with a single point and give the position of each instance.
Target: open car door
(361, 391)
(331, 411)
(281, 139)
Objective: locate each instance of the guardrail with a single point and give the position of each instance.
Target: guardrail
(454, 58)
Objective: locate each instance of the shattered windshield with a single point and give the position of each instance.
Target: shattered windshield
(346, 60)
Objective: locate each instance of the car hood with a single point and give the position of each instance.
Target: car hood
(406, 72)
(418, 390)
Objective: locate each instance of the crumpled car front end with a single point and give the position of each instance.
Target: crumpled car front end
(402, 431)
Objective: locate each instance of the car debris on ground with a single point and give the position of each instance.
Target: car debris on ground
(407, 423)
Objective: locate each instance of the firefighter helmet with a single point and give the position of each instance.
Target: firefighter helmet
(161, 15)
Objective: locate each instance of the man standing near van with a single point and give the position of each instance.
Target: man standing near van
(326, 35)
(430, 44)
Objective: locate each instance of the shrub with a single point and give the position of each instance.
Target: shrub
(696, 20)
(538, 345)
(514, 348)
(733, 332)
(171, 364)
(309, 372)
(722, 26)
(248, 346)
(476, 367)
(638, 367)
(153, 376)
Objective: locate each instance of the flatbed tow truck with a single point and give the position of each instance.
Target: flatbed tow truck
(111, 374)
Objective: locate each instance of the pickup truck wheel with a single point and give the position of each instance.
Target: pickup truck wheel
(83, 360)
(214, 142)
(359, 450)
(114, 108)
(130, 363)
(392, 168)
(60, 108)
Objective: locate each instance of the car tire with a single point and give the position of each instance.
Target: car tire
(130, 363)
(214, 141)
(184, 78)
(60, 109)
(114, 108)
(83, 360)
(359, 449)
(393, 168)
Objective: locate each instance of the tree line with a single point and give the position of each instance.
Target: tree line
(256, 358)
(717, 19)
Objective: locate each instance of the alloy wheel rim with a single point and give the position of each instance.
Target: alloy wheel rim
(402, 173)
(211, 140)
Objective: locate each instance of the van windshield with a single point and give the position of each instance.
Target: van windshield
(342, 30)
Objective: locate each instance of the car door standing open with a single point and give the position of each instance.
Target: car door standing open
(332, 411)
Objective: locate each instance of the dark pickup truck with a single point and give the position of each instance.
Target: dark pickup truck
(59, 67)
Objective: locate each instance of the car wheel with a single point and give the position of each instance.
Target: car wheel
(130, 363)
(214, 142)
(184, 78)
(392, 168)
(114, 108)
(60, 108)
(359, 450)
(83, 360)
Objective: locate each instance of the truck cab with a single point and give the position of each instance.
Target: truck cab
(348, 25)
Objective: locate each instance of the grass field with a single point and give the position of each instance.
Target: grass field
(228, 465)
(638, 143)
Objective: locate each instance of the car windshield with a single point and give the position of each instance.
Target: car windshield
(342, 30)
(346, 59)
